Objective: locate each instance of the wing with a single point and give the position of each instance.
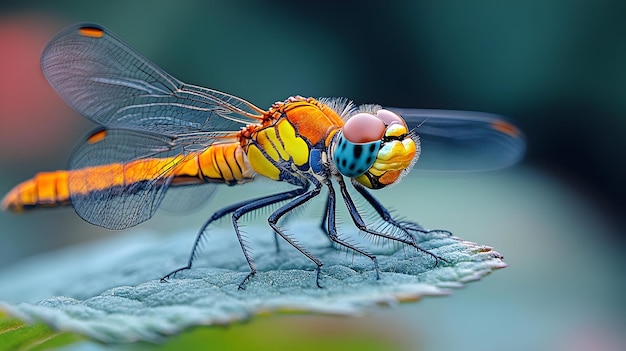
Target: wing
(154, 122)
(186, 199)
(464, 140)
(105, 80)
(119, 177)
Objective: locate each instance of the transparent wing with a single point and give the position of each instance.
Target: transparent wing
(185, 199)
(464, 140)
(107, 81)
(119, 177)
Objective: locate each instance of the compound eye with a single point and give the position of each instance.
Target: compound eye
(364, 128)
(389, 117)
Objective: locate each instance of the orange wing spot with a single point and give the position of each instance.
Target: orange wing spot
(506, 128)
(97, 136)
(91, 32)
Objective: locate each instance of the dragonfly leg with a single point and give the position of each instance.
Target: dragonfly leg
(255, 205)
(194, 250)
(331, 229)
(277, 246)
(406, 226)
(406, 238)
(324, 224)
(276, 215)
(217, 215)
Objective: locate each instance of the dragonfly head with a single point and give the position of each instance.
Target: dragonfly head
(375, 149)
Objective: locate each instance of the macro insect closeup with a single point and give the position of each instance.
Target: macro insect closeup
(161, 141)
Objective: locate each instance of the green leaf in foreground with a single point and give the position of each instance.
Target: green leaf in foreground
(111, 291)
(15, 335)
(286, 332)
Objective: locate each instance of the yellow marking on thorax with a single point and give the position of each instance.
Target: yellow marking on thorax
(281, 144)
(261, 164)
(295, 146)
(270, 143)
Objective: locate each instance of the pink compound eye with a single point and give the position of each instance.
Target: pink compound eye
(364, 128)
(389, 117)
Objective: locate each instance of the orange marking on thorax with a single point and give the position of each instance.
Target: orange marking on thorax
(312, 119)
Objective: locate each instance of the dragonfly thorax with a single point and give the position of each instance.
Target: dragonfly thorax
(292, 139)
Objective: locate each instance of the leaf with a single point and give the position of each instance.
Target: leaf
(14, 334)
(110, 291)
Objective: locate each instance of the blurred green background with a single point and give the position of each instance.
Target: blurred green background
(557, 67)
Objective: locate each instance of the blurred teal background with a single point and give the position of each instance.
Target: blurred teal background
(557, 67)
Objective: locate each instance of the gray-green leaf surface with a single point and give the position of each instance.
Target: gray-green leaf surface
(111, 291)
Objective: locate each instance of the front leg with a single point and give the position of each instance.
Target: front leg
(405, 226)
(402, 235)
(255, 205)
(276, 215)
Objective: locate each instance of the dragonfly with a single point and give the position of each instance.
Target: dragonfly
(161, 142)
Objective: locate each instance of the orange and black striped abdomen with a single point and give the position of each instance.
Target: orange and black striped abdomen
(45, 189)
(219, 163)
